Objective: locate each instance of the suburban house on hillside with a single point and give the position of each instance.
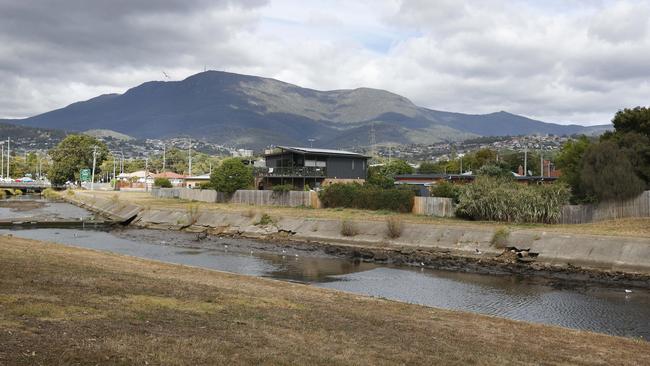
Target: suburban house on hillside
(304, 166)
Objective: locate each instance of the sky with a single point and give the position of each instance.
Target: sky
(563, 61)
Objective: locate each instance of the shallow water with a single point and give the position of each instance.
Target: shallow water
(35, 208)
(601, 309)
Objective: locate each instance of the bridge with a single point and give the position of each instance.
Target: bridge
(25, 186)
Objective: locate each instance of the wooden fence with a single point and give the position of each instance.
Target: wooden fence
(434, 206)
(244, 197)
(582, 214)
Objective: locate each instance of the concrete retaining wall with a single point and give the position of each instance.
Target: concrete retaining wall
(113, 209)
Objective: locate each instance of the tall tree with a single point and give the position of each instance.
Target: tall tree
(633, 120)
(607, 173)
(231, 175)
(569, 161)
(72, 154)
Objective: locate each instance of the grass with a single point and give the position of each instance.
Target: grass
(265, 219)
(348, 228)
(500, 238)
(394, 227)
(62, 305)
(638, 227)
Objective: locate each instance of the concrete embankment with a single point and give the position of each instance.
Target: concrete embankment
(480, 248)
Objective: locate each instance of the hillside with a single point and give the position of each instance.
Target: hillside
(256, 112)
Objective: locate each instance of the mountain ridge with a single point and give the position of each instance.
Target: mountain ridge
(256, 112)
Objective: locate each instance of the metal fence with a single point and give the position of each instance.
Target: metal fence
(582, 214)
(434, 206)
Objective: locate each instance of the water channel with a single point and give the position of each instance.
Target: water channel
(606, 309)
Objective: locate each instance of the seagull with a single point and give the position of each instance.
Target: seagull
(283, 251)
(422, 264)
(628, 291)
(251, 252)
(296, 255)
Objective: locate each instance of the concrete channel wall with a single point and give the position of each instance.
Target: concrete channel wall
(244, 197)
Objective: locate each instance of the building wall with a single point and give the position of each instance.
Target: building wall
(346, 168)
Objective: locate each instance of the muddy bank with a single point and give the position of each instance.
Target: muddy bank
(624, 260)
(506, 264)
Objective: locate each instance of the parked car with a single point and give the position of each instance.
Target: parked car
(25, 180)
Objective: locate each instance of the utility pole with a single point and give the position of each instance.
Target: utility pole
(8, 154)
(541, 163)
(146, 173)
(461, 165)
(114, 179)
(2, 159)
(526, 160)
(164, 157)
(189, 154)
(92, 175)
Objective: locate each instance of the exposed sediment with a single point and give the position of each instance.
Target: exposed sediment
(471, 249)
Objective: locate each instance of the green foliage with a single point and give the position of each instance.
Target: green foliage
(446, 189)
(367, 197)
(429, 167)
(265, 220)
(497, 170)
(72, 154)
(282, 188)
(50, 194)
(231, 175)
(608, 174)
(636, 120)
(162, 183)
(384, 176)
(496, 199)
(569, 161)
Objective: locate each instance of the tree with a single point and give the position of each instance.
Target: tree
(162, 183)
(497, 170)
(384, 176)
(569, 161)
(633, 120)
(428, 167)
(231, 175)
(72, 154)
(608, 174)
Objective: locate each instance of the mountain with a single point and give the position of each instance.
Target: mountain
(254, 111)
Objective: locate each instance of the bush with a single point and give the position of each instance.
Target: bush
(447, 190)
(500, 238)
(367, 197)
(282, 188)
(495, 199)
(394, 227)
(48, 193)
(265, 220)
(348, 228)
(162, 183)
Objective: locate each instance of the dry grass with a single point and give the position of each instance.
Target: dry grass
(500, 237)
(394, 227)
(63, 305)
(639, 227)
(348, 228)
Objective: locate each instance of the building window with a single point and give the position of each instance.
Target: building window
(352, 164)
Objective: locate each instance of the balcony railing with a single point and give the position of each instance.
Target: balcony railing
(298, 171)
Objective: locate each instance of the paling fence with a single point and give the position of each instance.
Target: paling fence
(582, 214)
(245, 197)
(434, 206)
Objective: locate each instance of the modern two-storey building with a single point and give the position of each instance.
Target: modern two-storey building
(304, 166)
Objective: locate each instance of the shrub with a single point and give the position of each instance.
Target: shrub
(282, 188)
(367, 197)
(348, 228)
(265, 220)
(162, 183)
(495, 199)
(3, 193)
(48, 193)
(231, 175)
(394, 227)
(18, 192)
(446, 189)
(500, 238)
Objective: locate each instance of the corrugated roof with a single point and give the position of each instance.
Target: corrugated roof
(311, 150)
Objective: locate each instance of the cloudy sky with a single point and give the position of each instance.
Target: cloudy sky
(557, 60)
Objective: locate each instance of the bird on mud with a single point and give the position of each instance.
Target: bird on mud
(202, 235)
(628, 291)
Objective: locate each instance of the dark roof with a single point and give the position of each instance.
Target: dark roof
(465, 176)
(315, 151)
